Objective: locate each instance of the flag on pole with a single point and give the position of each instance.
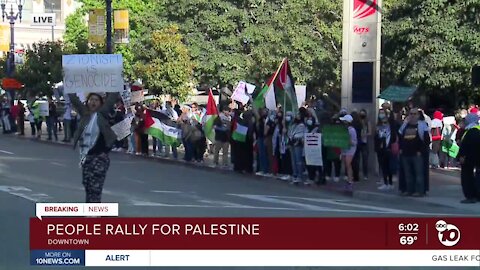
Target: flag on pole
(279, 89)
(160, 126)
(212, 114)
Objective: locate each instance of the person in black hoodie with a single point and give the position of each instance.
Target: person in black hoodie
(470, 159)
(385, 137)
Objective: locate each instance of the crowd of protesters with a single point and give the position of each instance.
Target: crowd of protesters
(406, 143)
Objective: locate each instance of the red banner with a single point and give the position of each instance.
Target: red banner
(254, 233)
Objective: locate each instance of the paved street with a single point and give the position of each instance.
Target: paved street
(37, 172)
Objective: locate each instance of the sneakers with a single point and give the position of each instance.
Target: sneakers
(285, 178)
(308, 183)
(260, 174)
(336, 179)
(348, 186)
(328, 178)
(383, 187)
(365, 178)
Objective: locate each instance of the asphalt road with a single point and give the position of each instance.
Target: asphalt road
(36, 172)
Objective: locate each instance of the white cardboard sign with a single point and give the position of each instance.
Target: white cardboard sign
(43, 107)
(123, 129)
(313, 149)
(92, 73)
(239, 93)
(126, 96)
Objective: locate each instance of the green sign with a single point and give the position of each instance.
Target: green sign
(336, 136)
(397, 93)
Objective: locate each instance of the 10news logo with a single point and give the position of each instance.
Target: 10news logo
(448, 234)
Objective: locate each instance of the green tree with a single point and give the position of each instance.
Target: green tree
(164, 63)
(432, 44)
(42, 68)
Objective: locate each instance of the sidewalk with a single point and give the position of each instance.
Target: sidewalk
(445, 188)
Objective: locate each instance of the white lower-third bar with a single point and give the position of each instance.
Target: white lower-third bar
(282, 258)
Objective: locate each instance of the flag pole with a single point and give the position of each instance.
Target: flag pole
(275, 76)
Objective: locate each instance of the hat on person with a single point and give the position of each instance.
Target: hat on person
(343, 112)
(471, 118)
(347, 118)
(438, 115)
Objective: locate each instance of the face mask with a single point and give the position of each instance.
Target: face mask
(288, 118)
(309, 122)
(363, 116)
(381, 116)
(272, 118)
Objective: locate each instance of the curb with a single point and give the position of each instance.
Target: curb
(329, 187)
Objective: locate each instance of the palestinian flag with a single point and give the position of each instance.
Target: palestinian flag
(260, 101)
(212, 114)
(280, 90)
(239, 132)
(160, 126)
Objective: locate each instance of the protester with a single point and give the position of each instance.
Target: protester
(315, 173)
(262, 155)
(173, 115)
(414, 141)
(386, 140)
(470, 159)
(362, 148)
(67, 123)
(222, 128)
(141, 138)
(332, 157)
(95, 139)
(21, 118)
(296, 135)
(280, 140)
(198, 138)
(436, 133)
(348, 153)
(52, 119)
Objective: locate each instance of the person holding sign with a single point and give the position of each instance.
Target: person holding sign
(95, 139)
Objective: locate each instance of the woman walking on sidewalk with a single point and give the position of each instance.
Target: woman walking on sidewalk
(95, 138)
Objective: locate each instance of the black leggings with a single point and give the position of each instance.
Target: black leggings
(384, 158)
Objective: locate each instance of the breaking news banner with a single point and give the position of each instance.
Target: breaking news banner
(117, 241)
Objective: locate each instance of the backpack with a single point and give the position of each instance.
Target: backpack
(436, 134)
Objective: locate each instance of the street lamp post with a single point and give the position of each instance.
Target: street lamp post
(12, 17)
(53, 27)
(109, 27)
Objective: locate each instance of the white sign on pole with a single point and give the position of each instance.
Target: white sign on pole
(313, 149)
(43, 107)
(239, 93)
(44, 19)
(123, 129)
(301, 91)
(126, 96)
(250, 88)
(449, 120)
(137, 97)
(93, 73)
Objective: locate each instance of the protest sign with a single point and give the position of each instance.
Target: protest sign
(126, 96)
(43, 107)
(313, 149)
(239, 93)
(336, 136)
(301, 93)
(137, 97)
(92, 73)
(123, 128)
(250, 88)
(449, 120)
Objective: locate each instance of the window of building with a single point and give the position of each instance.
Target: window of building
(54, 6)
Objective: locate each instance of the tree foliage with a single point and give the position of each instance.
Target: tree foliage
(432, 44)
(42, 68)
(164, 63)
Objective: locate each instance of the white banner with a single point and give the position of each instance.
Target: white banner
(93, 73)
(449, 120)
(313, 149)
(301, 92)
(44, 19)
(250, 88)
(282, 258)
(239, 93)
(44, 109)
(137, 97)
(123, 129)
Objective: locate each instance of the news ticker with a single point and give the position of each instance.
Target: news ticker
(114, 241)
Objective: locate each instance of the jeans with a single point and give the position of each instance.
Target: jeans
(131, 143)
(157, 145)
(174, 151)
(470, 177)
(188, 150)
(33, 128)
(224, 147)
(52, 127)
(262, 155)
(298, 164)
(414, 174)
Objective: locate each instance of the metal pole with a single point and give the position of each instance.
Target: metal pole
(11, 58)
(53, 26)
(109, 27)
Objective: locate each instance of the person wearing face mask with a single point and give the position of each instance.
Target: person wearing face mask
(262, 156)
(173, 115)
(268, 135)
(296, 134)
(365, 132)
(414, 142)
(95, 139)
(347, 154)
(314, 171)
(280, 150)
(385, 138)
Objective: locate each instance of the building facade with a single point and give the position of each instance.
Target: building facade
(26, 34)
